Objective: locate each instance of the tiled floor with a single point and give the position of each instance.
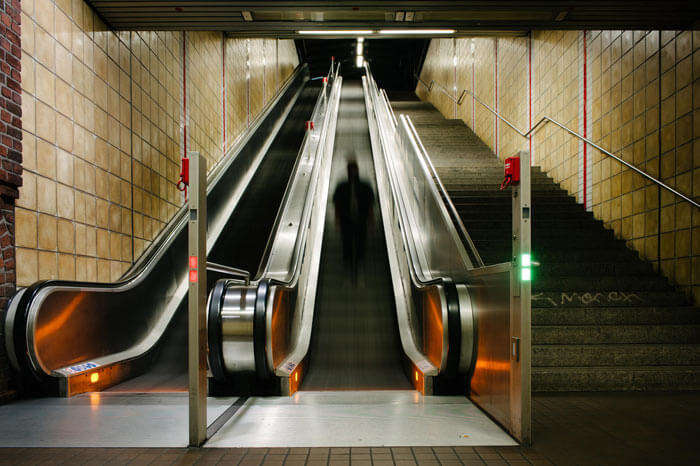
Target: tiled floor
(588, 428)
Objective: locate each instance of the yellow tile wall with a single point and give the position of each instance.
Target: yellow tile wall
(156, 113)
(465, 75)
(643, 103)
(512, 93)
(236, 89)
(102, 119)
(439, 67)
(555, 93)
(204, 94)
(485, 89)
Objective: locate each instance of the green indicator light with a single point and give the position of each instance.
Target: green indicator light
(525, 260)
(526, 274)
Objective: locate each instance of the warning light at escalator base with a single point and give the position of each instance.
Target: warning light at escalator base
(296, 376)
(416, 374)
(94, 377)
(525, 270)
(193, 276)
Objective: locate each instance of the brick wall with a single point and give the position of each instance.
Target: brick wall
(10, 159)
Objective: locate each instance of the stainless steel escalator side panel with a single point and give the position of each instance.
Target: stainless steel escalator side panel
(302, 321)
(107, 331)
(431, 253)
(237, 313)
(409, 322)
(9, 325)
(466, 316)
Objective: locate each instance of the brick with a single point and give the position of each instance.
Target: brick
(10, 159)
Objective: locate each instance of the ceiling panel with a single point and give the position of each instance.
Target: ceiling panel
(285, 18)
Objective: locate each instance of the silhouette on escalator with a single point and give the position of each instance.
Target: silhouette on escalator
(353, 200)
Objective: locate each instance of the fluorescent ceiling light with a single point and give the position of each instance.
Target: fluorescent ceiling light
(359, 48)
(335, 32)
(416, 31)
(359, 61)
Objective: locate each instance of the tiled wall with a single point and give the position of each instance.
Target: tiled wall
(105, 127)
(636, 93)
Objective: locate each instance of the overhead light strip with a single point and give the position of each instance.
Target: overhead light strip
(416, 31)
(336, 32)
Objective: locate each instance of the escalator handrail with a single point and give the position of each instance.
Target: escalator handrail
(417, 276)
(452, 331)
(292, 275)
(179, 220)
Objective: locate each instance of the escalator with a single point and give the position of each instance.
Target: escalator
(71, 337)
(399, 323)
(242, 243)
(355, 343)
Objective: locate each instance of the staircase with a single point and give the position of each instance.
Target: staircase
(603, 320)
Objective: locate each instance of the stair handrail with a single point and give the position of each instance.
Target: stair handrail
(545, 119)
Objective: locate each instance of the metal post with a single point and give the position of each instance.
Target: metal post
(520, 308)
(197, 298)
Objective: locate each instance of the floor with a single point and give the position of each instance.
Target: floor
(576, 428)
(329, 419)
(359, 419)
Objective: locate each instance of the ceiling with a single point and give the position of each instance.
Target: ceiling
(394, 62)
(268, 18)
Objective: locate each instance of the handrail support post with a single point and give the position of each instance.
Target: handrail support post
(520, 303)
(197, 299)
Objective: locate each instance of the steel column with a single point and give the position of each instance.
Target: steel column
(197, 300)
(520, 319)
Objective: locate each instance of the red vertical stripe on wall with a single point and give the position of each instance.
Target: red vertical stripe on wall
(473, 87)
(529, 89)
(184, 93)
(223, 88)
(495, 74)
(585, 122)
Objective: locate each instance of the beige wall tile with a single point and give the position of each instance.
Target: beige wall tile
(84, 135)
(644, 104)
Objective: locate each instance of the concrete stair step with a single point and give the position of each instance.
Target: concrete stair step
(615, 355)
(552, 246)
(592, 299)
(594, 269)
(575, 255)
(483, 223)
(587, 282)
(537, 214)
(650, 315)
(634, 378)
(614, 334)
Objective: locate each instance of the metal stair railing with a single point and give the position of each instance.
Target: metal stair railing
(541, 123)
